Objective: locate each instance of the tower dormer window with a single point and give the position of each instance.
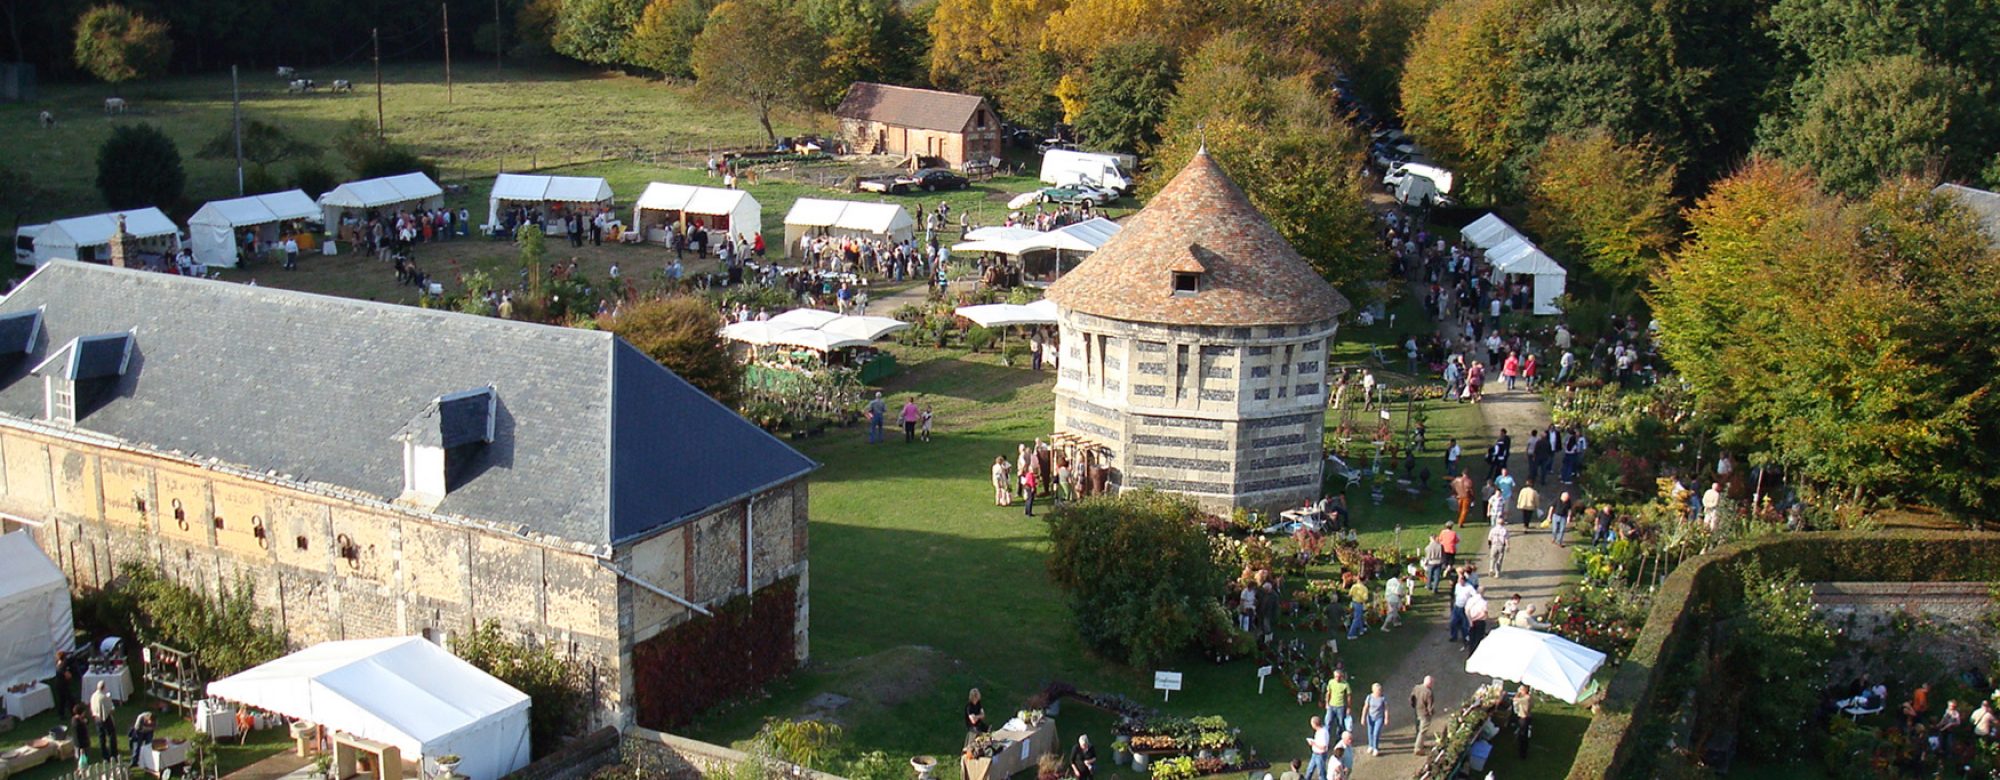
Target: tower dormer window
(1186, 283)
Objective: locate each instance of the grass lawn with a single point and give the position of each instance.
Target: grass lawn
(922, 589)
(168, 725)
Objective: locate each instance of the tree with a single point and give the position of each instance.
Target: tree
(1588, 66)
(1851, 342)
(1782, 646)
(139, 166)
(559, 693)
(313, 178)
(971, 39)
(116, 45)
(1368, 40)
(596, 31)
(368, 156)
(1125, 96)
(263, 144)
(865, 40)
(1822, 33)
(1460, 90)
(664, 37)
(1083, 29)
(1138, 572)
(1874, 119)
(682, 333)
(1609, 204)
(1260, 112)
(756, 52)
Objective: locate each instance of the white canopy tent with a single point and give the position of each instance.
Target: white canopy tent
(818, 217)
(389, 193)
(1077, 239)
(34, 612)
(1544, 662)
(403, 691)
(539, 190)
(1520, 257)
(1000, 315)
(725, 210)
(813, 329)
(212, 230)
(89, 238)
(1488, 231)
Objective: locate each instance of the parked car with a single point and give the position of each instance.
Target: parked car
(933, 179)
(883, 184)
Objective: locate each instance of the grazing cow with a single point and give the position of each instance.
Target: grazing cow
(300, 85)
(48, 119)
(114, 105)
(343, 85)
(286, 72)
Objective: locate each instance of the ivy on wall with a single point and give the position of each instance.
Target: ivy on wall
(706, 660)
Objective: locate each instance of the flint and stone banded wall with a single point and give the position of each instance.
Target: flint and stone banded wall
(1231, 416)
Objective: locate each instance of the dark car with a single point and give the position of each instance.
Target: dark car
(931, 179)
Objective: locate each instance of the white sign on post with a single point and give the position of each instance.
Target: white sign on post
(1168, 682)
(1263, 672)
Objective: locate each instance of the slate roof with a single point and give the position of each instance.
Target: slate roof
(594, 442)
(1983, 204)
(925, 109)
(1200, 222)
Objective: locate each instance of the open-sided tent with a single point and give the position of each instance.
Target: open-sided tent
(820, 217)
(1000, 315)
(1042, 252)
(1520, 257)
(403, 691)
(722, 210)
(1545, 662)
(409, 191)
(212, 231)
(1488, 231)
(89, 238)
(34, 612)
(543, 190)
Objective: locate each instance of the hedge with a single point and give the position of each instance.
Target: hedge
(1615, 736)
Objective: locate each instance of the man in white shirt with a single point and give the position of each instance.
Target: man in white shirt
(1451, 455)
(1475, 618)
(1394, 595)
(1568, 364)
(1496, 547)
(1320, 742)
(291, 253)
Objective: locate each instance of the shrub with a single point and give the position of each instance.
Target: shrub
(1139, 573)
(681, 333)
(313, 177)
(555, 691)
(979, 338)
(139, 166)
(226, 633)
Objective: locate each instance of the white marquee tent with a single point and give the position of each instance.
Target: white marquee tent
(1520, 257)
(1041, 252)
(719, 209)
(1488, 231)
(89, 238)
(389, 193)
(212, 230)
(818, 217)
(814, 329)
(403, 691)
(999, 315)
(539, 190)
(34, 612)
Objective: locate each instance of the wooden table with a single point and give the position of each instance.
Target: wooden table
(26, 757)
(1023, 749)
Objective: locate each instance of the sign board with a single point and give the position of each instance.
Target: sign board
(1263, 672)
(1385, 414)
(1167, 681)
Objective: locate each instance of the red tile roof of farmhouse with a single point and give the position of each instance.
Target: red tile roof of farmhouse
(924, 109)
(1201, 220)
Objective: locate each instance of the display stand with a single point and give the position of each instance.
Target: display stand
(351, 753)
(172, 676)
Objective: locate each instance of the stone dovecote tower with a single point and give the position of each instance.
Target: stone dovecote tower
(1194, 349)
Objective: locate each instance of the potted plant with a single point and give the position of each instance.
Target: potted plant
(1121, 750)
(448, 763)
(322, 765)
(924, 766)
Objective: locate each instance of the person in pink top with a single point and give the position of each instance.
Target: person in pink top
(1528, 372)
(911, 414)
(1511, 369)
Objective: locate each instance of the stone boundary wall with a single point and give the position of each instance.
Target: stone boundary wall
(680, 758)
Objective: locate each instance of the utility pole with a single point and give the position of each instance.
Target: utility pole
(499, 38)
(236, 126)
(446, 9)
(375, 34)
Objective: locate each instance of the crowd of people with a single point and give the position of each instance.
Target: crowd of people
(1059, 471)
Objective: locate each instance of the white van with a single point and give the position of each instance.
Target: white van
(24, 243)
(1065, 168)
(1440, 178)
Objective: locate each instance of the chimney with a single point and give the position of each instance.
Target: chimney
(123, 248)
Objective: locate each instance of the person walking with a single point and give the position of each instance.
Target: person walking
(1395, 594)
(1358, 624)
(1423, 700)
(1496, 547)
(1475, 619)
(103, 709)
(1460, 628)
(1528, 372)
(1524, 721)
(1375, 713)
(1510, 369)
(1461, 488)
(1320, 742)
(877, 409)
(1433, 564)
(1338, 692)
(1030, 485)
(1528, 501)
(1451, 454)
(1448, 540)
(1559, 517)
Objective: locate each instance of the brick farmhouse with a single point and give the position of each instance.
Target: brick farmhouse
(887, 119)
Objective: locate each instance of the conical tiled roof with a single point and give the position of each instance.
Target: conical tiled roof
(1201, 222)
